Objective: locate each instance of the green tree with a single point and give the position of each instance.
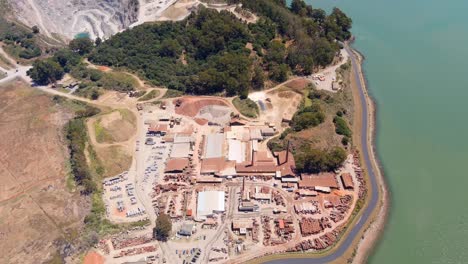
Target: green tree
(338, 25)
(67, 59)
(318, 15)
(81, 46)
(258, 78)
(297, 6)
(276, 52)
(35, 29)
(163, 227)
(279, 73)
(45, 72)
(341, 127)
(170, 48)
(316, 160)
(98, 41)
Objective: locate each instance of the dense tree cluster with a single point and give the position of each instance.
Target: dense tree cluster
(77, 136)
(341, 127)
(81, 46)
(314, 33)
(53, 69)
(314, 160)
(163, 227)
(310, 116)
(47, 71)
(207, 53)
(20, 38)
(202, 55)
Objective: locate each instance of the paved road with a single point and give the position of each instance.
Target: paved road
(373, 199)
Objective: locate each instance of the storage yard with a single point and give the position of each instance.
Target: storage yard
(226, 193)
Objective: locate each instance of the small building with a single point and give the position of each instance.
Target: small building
(347, 181)
(306, 193)
(242, 225)
(255, 134)
(158, 129)
(186, 230)
(268, 132)
(164, 118)
(237, 122)
(189, 213)
(248, 207)
(262, 193)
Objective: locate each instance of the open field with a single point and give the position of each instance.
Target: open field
(38, 213)
(114, 159)
(117, 126)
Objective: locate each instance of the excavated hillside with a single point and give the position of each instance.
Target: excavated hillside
(98, 18)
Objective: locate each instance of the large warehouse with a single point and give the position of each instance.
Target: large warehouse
(214, 145)
(210, 202)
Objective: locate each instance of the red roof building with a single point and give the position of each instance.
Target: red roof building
(347, 180)
(176, 165)
(310, 181)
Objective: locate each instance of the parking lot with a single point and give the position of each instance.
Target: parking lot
(120, 200)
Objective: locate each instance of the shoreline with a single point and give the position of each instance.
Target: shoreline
(369, 236)
(374, 231)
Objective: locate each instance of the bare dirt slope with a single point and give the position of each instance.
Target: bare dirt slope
(38, 215)
(98, 17)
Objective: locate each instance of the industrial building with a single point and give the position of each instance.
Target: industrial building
(322, 182)
(214, 146)
(210, 202)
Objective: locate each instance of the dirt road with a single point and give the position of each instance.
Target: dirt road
(17, 72)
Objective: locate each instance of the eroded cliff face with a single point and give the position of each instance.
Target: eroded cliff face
(100, 18)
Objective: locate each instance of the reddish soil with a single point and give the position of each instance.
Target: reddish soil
(93, 258)
(104, 68)
(191, 105)
(201, 121)
(298, 84)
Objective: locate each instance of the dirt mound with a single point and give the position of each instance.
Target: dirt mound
(191, 106)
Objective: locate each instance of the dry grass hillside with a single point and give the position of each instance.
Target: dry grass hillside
(38, 213)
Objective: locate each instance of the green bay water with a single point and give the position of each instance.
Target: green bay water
(417, 70)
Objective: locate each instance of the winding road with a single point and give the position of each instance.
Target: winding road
(374, 193)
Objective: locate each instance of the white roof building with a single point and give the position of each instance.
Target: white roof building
(236, 150)
(214, 144)
(180, 150)
(210, 202)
